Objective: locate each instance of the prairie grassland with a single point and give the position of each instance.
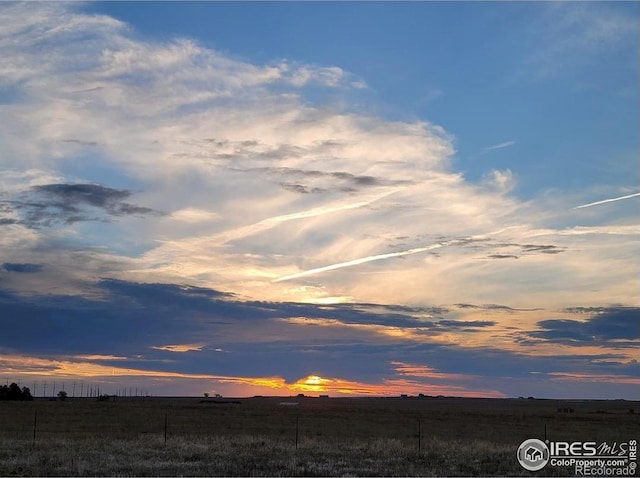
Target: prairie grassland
(257, 437)
(250, 456)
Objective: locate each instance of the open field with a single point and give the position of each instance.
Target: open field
(335, 436)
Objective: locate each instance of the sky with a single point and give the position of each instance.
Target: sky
(342, 198)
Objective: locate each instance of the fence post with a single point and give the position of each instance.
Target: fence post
(545, 431)
(166, 418)
(419, 436)
(297, 431)
(35, 423)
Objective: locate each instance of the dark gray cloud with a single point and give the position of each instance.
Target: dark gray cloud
(464, 323)
(70, 197)
(127, 319)
(495, 307)
(544, 248)
(223, 150)
(313, 181)
(22, 267)
(404, 309)
(511, 250)
(612, 326)
(81, 142)
(6, 208)
(301, 181)
(382, 314)
(54, 204)
(301, 188)
(586, 310)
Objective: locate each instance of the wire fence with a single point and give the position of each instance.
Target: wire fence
(412, 422)
(53, 389)
(46, 422)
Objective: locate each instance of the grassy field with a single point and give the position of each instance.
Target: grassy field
(334, 437)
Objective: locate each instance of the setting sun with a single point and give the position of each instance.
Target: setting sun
(312, 383)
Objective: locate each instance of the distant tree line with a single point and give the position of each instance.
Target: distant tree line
(13, 392)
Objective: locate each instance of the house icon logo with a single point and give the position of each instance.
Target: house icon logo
(533, 454)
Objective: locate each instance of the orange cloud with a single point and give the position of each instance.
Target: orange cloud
(424, 371)
(180, 348)
(99, 357)
(413, 387)
(418, 334)
(388, 387)
(67, 369)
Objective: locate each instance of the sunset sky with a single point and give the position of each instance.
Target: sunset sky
(337, 198)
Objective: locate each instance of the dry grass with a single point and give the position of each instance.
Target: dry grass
(257, 437)
(250, 456)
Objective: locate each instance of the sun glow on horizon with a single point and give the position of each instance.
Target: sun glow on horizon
(411, 379)
(312, 383)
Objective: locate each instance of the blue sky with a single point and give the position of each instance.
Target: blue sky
(549, 68)
(346, 198)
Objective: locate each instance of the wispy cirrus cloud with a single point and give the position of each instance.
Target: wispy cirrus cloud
(362, 260)
(605, 201)
(573, 36)
(504, 144)
(255, 187)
